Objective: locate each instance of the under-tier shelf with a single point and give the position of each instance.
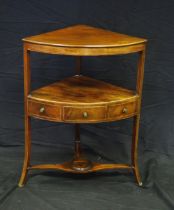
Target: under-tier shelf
(81, 99)
(67, 167)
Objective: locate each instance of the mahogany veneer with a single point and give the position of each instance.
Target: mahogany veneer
(80, 99)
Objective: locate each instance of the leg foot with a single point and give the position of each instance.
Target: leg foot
(23, 178)
(137, 176)
(20, 185)
(140, 184)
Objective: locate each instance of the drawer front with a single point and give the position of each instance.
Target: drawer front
(121, 111)
(85, 114)
(44, 111)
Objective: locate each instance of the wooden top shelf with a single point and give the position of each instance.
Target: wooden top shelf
(83, 36)
(82, 90)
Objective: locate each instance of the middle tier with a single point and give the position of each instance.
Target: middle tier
(80, 99)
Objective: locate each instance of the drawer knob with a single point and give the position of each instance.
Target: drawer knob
(42, 109)
(85, 114)
(125, 110)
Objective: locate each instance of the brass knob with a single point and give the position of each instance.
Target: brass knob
(85, 114)
(42, 109)
(125, 110)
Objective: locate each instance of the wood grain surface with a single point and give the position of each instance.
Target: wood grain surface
(84, 36)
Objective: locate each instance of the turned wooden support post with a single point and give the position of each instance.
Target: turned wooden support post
(78, 65)
(77, 142)
(77, 146)
(77, 126)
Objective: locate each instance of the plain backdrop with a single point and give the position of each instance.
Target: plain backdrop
(107, 142)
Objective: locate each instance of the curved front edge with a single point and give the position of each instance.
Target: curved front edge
(85, 51)
(82, 114)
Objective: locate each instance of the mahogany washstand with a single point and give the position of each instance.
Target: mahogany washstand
(81, 99)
